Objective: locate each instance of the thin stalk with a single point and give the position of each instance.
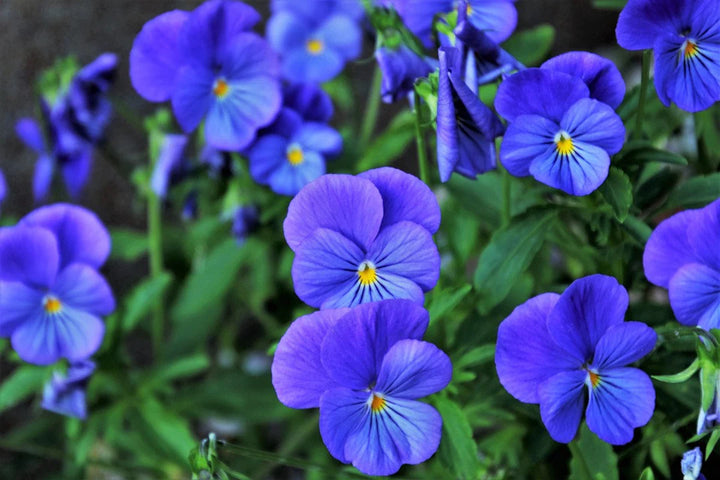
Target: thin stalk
(644, 80)
(297, 438)
(155, 250)
(420, 139)
(584, 469)
(371, 108)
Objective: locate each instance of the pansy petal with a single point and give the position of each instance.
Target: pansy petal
(29, 254)
(642, 21)
(527, 138)
(18, 303)
(623, 400)
(579, 173)
(286, 31)
(83, 288)
(333, 201)
(290, 179)
(29, 132)
(325, 266)
(342, 412)
(77, 171)
(406, 249)
(298, 376)
(694, 295)
(389, 286)
(353, 350)
(496, 18)
(266, 156)
(584, 312)
(299, 65)
(405, 197)
(406, 431)
(704, 235)
(341, 34)
(418, 15)
(249, 56)
(536, 91)
(320, 138)
(623, 344)
(308, 100)
(561, 404)
(413, 369)
(668, 247)
(81, 235)
(526, 355)
(155, 58)
(448, 141)
(42, 177)
(192, 96)
(594, 122)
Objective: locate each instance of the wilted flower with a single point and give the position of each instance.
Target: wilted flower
(400, 67)
(682, 255)
(691, 464)
(365, 368)
(684, 35)
(51, 295)
(554, 347)
(364, 238)
(210, 67)
(90, 109)
(65, 393)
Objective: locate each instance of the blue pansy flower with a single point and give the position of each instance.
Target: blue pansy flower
(51, 294)
(314, 39)
(90, 109)
(291, 153)
(365, 368)
(65, 393)
(557, 133)
(554, 348)
(309, 101)
(682, 255)
(171, 166)
(685, 38)
(364, 238)
(400, 67)
(691, 464)
(466, 127)
(211, 68)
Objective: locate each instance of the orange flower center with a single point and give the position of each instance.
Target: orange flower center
(690, 49)
(594, 379)
(377, 404)
(220, 88)
(52, 305)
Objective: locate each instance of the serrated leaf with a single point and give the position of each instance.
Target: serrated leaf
(142, 299)
(696, 192)
(597, 456)
(679, 377)
(458, 451)
(617, 191)
(531, 46)
(508, 255)
(23, 382)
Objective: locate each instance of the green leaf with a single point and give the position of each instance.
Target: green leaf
(128, 245)
(597, 457)
(531, 46)
(696, 192)
(23, 382)
(641, 152)
(182, 368)
(458, 451)
(171, 432)
(609, 4)
(647, 474)
(142, 299)
(708, 384)
(443, 301)
(617, 191)
(712, 443)
(390, 144)
(508, 255)
(681, 376)
(638, 230)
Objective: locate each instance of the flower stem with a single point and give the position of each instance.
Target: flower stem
(585, 473)
(644, 80)
(371, 108)
(155, 249)
(420, 139)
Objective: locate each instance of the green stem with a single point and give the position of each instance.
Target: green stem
(155, 249)
(297, 438)
(507, 198)
(420, 139)
(585, 472)
(371, 108)
(644, 80)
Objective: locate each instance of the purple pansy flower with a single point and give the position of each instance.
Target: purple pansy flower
(557, 133)
(365, 368)
(400, 67)
(87, 99)
(554, 347)
(364, 238)
(51, 295)
(682, 255)
(315, 39)
(466, 127)
(210, 67)
(65, 393)
(171, 165)
(309, 101)
(691, 464)
(685, 37)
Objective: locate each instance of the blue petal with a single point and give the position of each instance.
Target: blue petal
(266, 156)
(341, 34)
(448, 148)
(526, 354)
(297, 372)
(349, 205)
(42, 177)
(405, 432)
(668, 247)
(540, 92)
(172, 154)
(561, 404)
(247, 57)
(18, 303)
(192, 96)
(407, 250)
(353, 350)
(399, 68)
(584, 312)
(83, 288)
(600, 75)
(81, 235)
(155, 57)
(622, 401)
(286, 31)
(623, 344)
(28, 255)
(527, 138)
(290, 179)
(76, 171)
(418, 15)
(342, 412)
(308, 100)
(594, 122)
(497, 18)
(405, 197)
(29, 132)
(641, 22)
(579, 173)
(413, 369)
(694, 295)
(299, 65)
(319, 138)
(704, 235)
(64, 399)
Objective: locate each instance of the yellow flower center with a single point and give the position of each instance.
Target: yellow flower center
(377, 404)
(468, 9)
(295, 155)
(594, 378)
(314, 46)
(564, 144)
(690, 49)
(367, 273)
(220, 88)
(52, 305)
